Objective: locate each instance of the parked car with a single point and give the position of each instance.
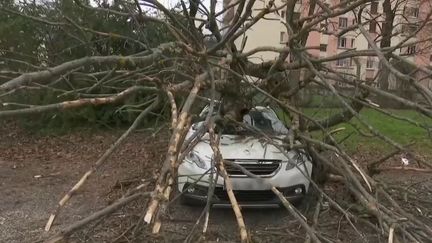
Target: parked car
(289, 171)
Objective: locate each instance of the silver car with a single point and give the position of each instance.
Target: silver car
(288, 170)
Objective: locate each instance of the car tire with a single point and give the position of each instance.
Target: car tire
(184, 200)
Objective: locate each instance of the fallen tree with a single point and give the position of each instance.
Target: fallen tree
(195, 70)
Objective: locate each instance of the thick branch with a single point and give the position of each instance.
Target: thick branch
(47, 75)
(73, 104)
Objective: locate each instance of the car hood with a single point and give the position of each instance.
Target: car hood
(241, 147)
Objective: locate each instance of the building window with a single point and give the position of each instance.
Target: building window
(282, 14)
(346, 62)
(283, 38)
(372, 26)
(411, 12)
(416, 12)
(411, 50)
(342, 42)
(323, 47)
(323, 25)
(352, 43)
(370, 63)
(343, 23)
(374, 8)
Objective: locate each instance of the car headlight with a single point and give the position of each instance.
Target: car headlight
(193, 157)
(294, 160)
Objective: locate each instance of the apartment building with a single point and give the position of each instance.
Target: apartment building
(332, 36)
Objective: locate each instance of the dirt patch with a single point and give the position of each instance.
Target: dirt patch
(36, 171)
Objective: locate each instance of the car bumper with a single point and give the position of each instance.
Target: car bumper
(190, 173)
(194, 194)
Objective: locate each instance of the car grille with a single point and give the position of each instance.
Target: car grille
(256, 167)
(245, 196)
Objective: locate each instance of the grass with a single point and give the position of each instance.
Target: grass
(399, 131)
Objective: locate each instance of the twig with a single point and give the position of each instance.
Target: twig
(402, 168)
(210, 197)
(174, 111)
(310, 231)
(214, 142)
(99, 214)
(315, 216)
(391, 233)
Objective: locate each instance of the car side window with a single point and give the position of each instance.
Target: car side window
(260, 121)
(264, 121)
(278, 125)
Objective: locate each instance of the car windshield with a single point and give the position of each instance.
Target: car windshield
(264, 120)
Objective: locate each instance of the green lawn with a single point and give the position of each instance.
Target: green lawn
(401, 132)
